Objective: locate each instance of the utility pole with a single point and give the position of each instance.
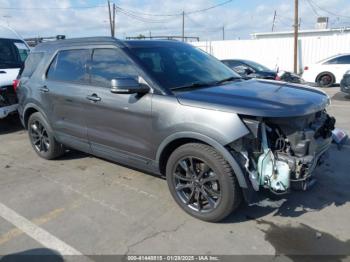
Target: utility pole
(274, 21)
(110, 18)
(183, 26)
(223, 33)
(111, 12)
(114, 11)
(296, 32)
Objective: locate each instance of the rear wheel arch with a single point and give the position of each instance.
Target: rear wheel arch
(28, 111)
(170, 144)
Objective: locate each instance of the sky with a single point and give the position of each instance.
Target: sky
(77, 18)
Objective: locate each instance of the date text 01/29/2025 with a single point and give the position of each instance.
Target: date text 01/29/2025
(172, 258)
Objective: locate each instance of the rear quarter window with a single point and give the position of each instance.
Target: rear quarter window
(31, 64)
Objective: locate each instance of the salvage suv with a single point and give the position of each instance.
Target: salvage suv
(169, 108)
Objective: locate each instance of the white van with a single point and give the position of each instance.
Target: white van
(13, 52)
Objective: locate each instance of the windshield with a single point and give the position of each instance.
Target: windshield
(12, 53)
(256, 66)
(182, 65)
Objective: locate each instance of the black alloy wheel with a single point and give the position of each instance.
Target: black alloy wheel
(202, 182)
(40, 138)
(197, 185)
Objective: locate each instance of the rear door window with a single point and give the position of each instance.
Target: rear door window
(31, 64)
(108, 64)
(70, 66)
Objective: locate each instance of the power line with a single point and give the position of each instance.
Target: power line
(176, 14)
(313, 8)
(209, 8)
(52, 8)
(142, 19)
(327, 11)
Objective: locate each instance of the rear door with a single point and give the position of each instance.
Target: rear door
(119, 125)
(65, 93)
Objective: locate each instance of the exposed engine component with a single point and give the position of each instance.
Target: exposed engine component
(283, 151)
(273, 172)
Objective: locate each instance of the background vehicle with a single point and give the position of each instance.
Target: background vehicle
(345, 83)
(13, 52)
(172, 109)
(327, 72)
(250, 69)
(289, 77)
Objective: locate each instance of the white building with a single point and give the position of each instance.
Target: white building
(303, 33)
(276, 49)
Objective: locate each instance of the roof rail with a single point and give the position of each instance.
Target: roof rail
(32, 42)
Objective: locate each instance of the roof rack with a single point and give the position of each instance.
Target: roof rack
(32, 42)
(142, 37)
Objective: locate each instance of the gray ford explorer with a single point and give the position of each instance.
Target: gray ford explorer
(168, 108)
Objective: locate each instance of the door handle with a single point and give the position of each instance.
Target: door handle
(94, 98)
(44, 89)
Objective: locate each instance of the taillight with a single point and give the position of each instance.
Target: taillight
(278, 78)
(306, 68)
(15, 84)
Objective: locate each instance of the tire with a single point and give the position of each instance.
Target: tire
(215, 184)
(325, 79)
(42, 139)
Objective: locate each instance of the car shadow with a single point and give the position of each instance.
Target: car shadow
(303, 243)
(332, 188)
(33, 255)
(340, 96)
(10, 124)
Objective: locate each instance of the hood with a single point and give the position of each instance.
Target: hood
(258, 98)
(7, 76)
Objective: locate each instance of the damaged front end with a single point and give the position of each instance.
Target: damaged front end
(282, 153)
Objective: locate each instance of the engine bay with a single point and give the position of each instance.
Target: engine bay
(281, 153)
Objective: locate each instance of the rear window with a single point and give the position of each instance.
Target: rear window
(13, 53)
(31, 64)
(70, 66)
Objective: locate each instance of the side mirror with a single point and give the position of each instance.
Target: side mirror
(128, 86)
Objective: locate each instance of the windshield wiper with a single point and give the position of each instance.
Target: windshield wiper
(228, 80)
(193, 85)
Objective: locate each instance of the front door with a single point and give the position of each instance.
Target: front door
(119, 125)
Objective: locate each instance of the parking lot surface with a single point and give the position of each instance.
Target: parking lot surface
(80, 204)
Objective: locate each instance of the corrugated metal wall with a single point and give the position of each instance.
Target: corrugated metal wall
(278, 53)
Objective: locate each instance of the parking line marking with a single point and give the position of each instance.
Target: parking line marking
(37, 233)
(15, 232)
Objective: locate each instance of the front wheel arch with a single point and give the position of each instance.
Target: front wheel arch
(188, 137)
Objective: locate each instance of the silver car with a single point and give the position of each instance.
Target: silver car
(169, 108)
